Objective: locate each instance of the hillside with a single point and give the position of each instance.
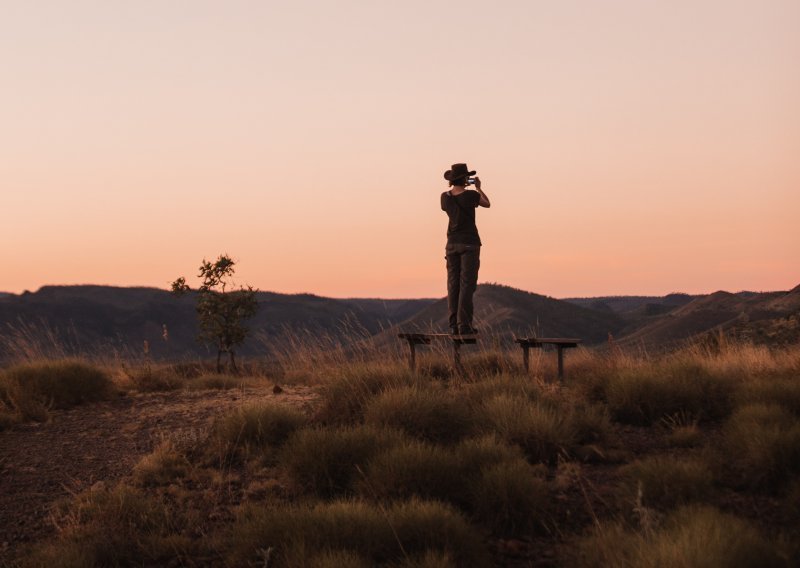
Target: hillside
(104, 319)
(505, 311)
(111, 321)
(720, 311)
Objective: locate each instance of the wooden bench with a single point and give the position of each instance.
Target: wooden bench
(561, 343)
(415, 339)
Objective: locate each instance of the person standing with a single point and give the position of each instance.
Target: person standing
(463, 248)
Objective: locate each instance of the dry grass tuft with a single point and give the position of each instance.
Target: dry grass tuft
(663, 482)
(163, 466)
(690, 536)
(323, 461)
(383, 536)
(31, 389)
(427, 413)
(761, 446)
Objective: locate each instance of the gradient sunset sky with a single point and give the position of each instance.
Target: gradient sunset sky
(627, 146)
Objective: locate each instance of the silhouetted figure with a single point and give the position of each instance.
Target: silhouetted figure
(463, 249)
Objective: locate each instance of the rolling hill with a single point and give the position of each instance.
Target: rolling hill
(117, 321)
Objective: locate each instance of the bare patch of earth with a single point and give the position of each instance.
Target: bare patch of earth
(76, 448)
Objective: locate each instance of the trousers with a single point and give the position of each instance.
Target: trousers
(463, 262)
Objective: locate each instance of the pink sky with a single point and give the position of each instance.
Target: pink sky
(628, 147)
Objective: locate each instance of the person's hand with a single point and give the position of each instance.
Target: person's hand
(478, 183)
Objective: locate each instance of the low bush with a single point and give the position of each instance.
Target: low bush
(761, 446)
(690, 536)
(663, 482)
(257, 426)
(346, 394)
(647, 394)
(163, 466)
(426, 413)
(33, 388)
(354, 530)
(323, 461)
(539, 429)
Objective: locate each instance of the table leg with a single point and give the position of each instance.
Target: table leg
(560, 363)
(526, 357)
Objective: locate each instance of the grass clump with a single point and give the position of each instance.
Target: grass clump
(154, 379)
(355, 531)
(761, 446)
(426, 413)
(31, 389)
(663, 482)
(690, 536)
(163, 466)
(538, 428)
(644, 395)
(348, 393)
(117, 527)
(417, 469)
(323, 461)
(784, 391)
(257, 426)
(511, 497)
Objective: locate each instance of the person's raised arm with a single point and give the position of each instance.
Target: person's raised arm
(484, 201)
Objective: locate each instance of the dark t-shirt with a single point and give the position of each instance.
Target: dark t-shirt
(461, 212)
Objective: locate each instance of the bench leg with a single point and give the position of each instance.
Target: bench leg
(560, 363)
(526, 358)
(412, 356)
(457, 359)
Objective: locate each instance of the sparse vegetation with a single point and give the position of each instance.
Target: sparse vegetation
(392, 469)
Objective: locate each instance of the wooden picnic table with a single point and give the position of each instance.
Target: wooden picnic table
(561, 343)
(415, 339)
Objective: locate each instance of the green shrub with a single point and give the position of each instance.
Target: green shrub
(32, 388)
(426, 413)
(346, 394)
(540, 430)
(299, 534)
(511, 497)
(690, 536)
(663, 482)
(323, 461)
(761, 446)
(161, 467)
(256, 426)
(645, 395)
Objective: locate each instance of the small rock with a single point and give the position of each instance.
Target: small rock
(277, 389)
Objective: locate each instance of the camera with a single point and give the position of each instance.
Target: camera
(470, 181)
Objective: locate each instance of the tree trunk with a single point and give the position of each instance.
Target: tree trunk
(233, 361)
(219, 360)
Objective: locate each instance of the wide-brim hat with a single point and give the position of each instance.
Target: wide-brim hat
(458, 171)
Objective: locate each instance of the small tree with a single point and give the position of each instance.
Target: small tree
(221, 308)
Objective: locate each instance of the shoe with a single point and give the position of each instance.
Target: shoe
(453, 330)
(467, 330)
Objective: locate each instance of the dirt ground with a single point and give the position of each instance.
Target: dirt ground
(40, 463)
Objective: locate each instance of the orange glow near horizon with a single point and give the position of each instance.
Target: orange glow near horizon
(627, 147)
